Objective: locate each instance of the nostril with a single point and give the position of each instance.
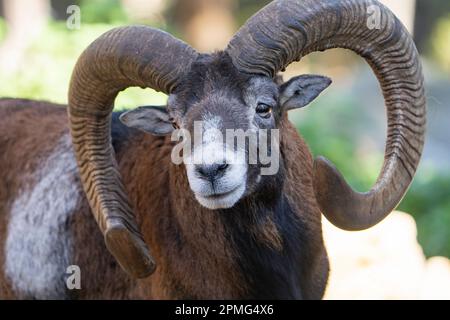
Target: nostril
(211, 171)
(201, 170)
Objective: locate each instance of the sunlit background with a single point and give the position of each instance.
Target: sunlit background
(347, 124)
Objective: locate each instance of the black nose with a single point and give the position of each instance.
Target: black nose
(211, 171)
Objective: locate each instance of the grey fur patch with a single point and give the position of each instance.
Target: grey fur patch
(39, 245)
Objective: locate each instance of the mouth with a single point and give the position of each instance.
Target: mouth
(223, 200)
(219, 195)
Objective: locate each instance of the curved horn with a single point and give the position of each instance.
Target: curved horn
(286, 30)
(123, 57)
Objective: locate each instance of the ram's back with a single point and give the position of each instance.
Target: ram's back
(29, 133)
(45, 221)
(37, 197)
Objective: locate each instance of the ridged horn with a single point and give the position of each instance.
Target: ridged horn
(287, 30)
(121, 58)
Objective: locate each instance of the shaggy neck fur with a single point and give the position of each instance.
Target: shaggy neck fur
(250, 250)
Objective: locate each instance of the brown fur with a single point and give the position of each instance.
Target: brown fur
(23, 125)
(190, 244)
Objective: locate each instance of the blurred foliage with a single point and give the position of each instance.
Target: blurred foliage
(429, 202)
(247, 8)
(429, 15)
(104, 11)
(54, 56)
(328, 125)
(441, 42)
(2, 29)
(330, 131)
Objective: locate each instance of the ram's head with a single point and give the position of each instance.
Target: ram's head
(228, 121)
(237, 88)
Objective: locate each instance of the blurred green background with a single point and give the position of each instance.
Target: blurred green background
(347, 124)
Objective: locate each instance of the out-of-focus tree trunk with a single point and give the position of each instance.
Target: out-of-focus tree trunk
(25, 20)
(207, 24)
(59, 8)
(146, 11)
(429, 12)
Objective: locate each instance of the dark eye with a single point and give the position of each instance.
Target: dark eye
(174, 124)
(264, 110)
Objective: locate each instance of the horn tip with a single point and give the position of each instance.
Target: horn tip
(334, 196)
(130, 251)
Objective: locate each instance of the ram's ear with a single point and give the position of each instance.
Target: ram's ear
(153, 120)
(302, 90)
